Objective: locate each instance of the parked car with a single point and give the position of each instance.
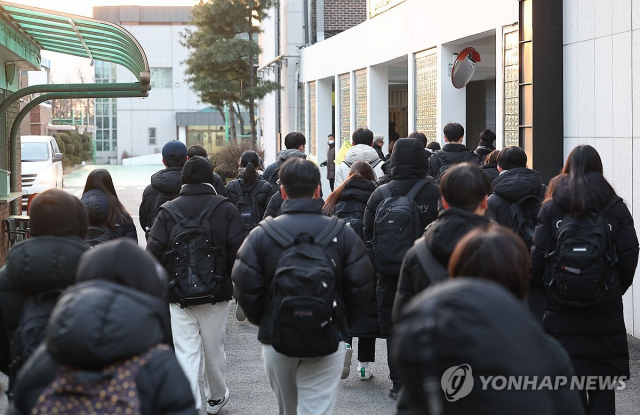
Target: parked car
(41, 165)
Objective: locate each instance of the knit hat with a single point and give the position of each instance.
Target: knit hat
(57, 213)
(197, 170)
(174, 152)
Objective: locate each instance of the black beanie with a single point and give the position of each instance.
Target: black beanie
(57, 213)
(197, 170)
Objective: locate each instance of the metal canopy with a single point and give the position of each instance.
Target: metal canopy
(78, 36)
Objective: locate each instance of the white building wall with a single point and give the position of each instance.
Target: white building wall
(602, 99)
(135, 116)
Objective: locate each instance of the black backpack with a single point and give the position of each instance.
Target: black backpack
(524, 215)
(160, 200)
(304, 292)
(275, 176)
(194, 258)
(446, 164)
(248, 205)
(581, 264)
(32, 329)
(397, 225)
(98, 234)
(352, 213)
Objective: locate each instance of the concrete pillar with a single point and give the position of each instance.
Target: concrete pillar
(412, 92)
(453, 102)
(182, 134)
(499, 89)
(324, 101)
(338, 113)
(378, 100)
(307, 115)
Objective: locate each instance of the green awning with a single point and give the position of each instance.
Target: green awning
(78, 36)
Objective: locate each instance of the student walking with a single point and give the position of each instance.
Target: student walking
(196, 237)
(107, 348)
(108, 218)
(165, 184)
(464, 190)
(218, 183)
(348, 202)
(303, 278)
(486, 145)
(452, 153)
(396, 216)
(249, 193)
(362, 150)
(585, 254)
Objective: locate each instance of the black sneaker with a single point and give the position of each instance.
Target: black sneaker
(393, 393)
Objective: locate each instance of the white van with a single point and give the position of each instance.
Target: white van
(41, 165)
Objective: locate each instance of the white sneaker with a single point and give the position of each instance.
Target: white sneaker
(214, 407)
(364, 371)
(347, 361)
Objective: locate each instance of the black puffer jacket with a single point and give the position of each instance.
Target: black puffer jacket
(40, 264)
(96, 323)
(508, 188)
(408, 167)
(483, 150)
(262, 197)
(358, 191)
(442, 236)
(595, 337)
(97, 205)
(454, 153)
(167, 182)
(478, 323)
(274, 206)
(491, 170)
(226, 225)
(258, 258)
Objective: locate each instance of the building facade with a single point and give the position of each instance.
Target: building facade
(552, 75)
(128, 127)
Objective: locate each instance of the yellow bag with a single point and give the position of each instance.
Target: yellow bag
(340, 155)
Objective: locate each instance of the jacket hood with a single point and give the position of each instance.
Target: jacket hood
(97, 206)
(97, 322)
(57, 213)
(516, 183)
(357, 189)
(302, 206)
(123, 262)
(168, 180)
(289, 153)
(443, 234)
(597, 193)
(361, 152)
(44, 263)
(449, 324)
(409, 159)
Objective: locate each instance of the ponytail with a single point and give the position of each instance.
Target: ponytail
(250, 174)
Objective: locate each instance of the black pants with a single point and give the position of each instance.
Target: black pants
(331, 182)
(366, 348)
(393, 371)
(600, 402)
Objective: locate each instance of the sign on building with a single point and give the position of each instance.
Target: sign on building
(380, 6)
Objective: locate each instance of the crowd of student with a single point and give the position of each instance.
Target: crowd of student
(455, 257)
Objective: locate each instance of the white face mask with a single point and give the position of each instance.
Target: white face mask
(330, 142)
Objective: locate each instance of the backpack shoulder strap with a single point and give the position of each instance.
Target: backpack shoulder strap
(374, 163)
(416, 189)
(239, 189)
(443, 159)
(276, 232)
(347, 163)
(173, 210)
(432, 267)
(386, 192)
(256, 189)
(330, 231)
(211, 205)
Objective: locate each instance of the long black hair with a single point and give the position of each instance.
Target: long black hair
(250, 161)
(582, 160)
(100, 179)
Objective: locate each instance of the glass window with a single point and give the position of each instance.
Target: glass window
(161, 77)
(105, 122)
(114, 137)
(219, 140)
(98, 122)
(98, 109)
(152, 136)
(98, 134)
(105, 146)
(98, 145)
(114, 122)
(34, 152)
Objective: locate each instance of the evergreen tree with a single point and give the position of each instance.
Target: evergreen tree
(223, 53)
